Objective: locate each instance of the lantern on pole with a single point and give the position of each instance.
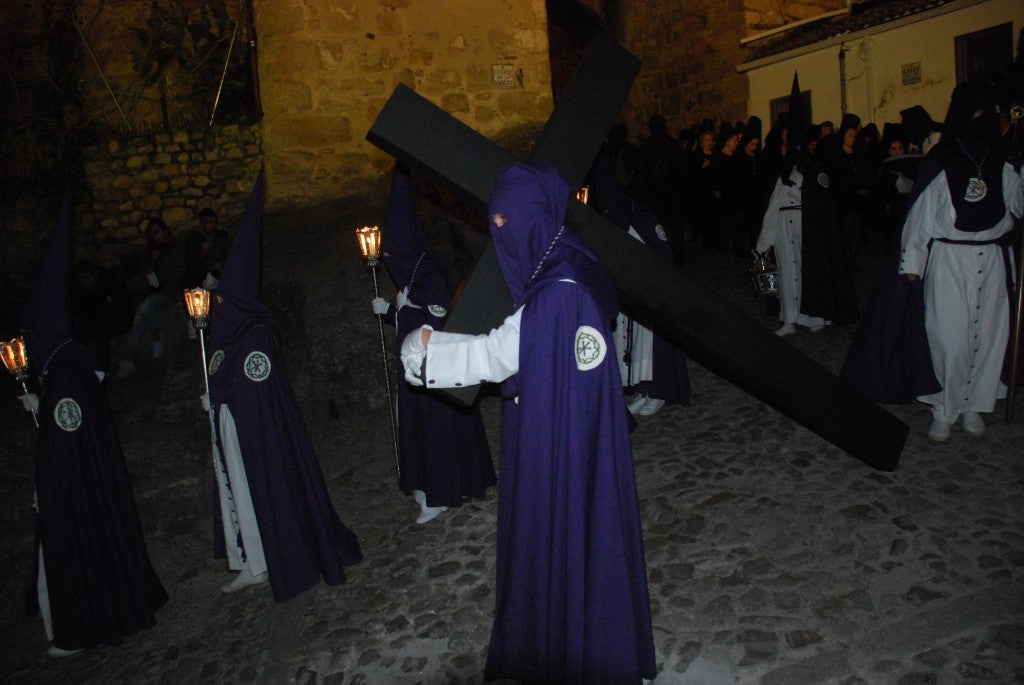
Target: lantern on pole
(583, 194)
(16, 361)
(197, 301)
(369, 247)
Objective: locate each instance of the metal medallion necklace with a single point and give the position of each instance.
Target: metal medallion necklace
(977, 189)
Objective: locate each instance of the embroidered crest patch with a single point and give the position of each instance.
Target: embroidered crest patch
(437, 310)
(976, 190)
(590, 348)
(257, 366)
(215, 361)
(660, 232)
(823, 180)
(68, 415)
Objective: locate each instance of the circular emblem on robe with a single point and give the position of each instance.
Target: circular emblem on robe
(823, 180)
(437, 310)
(976, 190)
(68, 415)
(590, 348)
(660, 232)
(257, 366)
(215, 361)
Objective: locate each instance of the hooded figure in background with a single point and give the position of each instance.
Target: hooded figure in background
(444, 454)
(815, 288)
(646, 360)
(274, 512)
(571, 602)
(921, 130)
(95, 583)
(939, 328)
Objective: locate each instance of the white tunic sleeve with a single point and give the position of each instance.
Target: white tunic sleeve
(1013, 190)
(456, 359)
(770, 222)
(918, 228)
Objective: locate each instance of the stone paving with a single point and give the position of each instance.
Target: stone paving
(773, 557)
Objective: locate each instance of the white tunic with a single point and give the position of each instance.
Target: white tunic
(966, 307)
(641, 353)
(238, 516)
(781, 227)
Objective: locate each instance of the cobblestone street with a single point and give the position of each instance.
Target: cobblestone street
(773, 557)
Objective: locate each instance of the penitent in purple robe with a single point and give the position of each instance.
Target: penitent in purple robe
(670, 377)
(303, 538)
(444, 450)
(571, 600)
(99, 581)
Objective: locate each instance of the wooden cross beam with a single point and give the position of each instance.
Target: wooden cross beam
(707, 328)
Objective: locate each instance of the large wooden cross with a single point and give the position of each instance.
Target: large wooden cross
(710, 330)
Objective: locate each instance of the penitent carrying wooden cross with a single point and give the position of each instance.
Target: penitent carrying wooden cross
(710, 330)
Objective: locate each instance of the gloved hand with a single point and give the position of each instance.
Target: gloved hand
(413, 353)
(153, 281)
(380, 306)
(402, 300)
(30, 401)
(904, 184)
(210, 282)
(204, 400)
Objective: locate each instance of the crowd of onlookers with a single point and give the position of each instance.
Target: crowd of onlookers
(711, 184)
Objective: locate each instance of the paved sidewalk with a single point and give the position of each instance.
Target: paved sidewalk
(773, 557)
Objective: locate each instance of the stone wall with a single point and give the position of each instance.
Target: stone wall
(327, 68)
(168, 175)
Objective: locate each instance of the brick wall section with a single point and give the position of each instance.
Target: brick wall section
(168, 175)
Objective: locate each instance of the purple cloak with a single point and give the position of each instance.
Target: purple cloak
(670, 375)
(826, 287)
(303, 538)
(443, 447)
(100, 581)
(571, 601)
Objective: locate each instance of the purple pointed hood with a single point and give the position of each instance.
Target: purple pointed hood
(533, 246)
(236, 301)
(46, 321)
(401, 247)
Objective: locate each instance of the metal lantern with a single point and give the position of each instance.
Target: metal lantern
(764, 273)
(369, 244)
(15, 358)
(16, 361)
(369, 247)
(197, 300)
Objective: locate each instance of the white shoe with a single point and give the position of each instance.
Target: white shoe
(244, 579)
(973, 423)
(939, 431)
(430, 513)
(786, 329)
(426, 513)
(57, 652)
(634, 404)
(650, 407)
(817, 329)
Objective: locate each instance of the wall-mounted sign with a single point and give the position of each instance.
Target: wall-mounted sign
(503, 75)
(911, 73)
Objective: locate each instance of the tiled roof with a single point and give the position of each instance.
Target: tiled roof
(863, 15)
